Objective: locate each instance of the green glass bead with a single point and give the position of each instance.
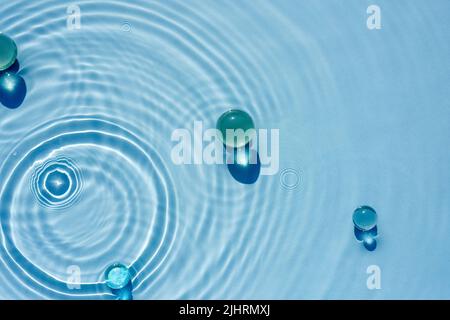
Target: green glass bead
(233, 120)
(8, 52)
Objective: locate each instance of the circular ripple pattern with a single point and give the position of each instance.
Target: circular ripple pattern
(88, 232)
(57, 183)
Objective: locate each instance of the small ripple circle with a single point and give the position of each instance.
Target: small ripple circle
(126, 27)
(289, 179)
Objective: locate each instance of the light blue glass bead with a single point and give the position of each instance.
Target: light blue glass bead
(365, 218)
(117, 276)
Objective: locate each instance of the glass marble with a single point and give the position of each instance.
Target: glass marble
(233, 120)
(8, 52)
(117, 276)
(365, 218)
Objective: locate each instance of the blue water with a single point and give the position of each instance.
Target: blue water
(87, 179)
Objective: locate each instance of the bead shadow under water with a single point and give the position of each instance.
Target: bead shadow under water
(365, 226)
(13, 90)
(246, 165)
(361, 235)
(14, 68)
(118, 278)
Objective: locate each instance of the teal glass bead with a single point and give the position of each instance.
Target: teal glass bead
(8, 52)
(233, 120)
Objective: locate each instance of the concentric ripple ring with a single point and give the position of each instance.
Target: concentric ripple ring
(57, 182)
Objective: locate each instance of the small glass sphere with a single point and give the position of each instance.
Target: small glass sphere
(234, 120)
(13, 90)
(57, 183)
(117, 276)
(8, 52)
(365, 218)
